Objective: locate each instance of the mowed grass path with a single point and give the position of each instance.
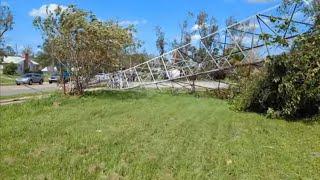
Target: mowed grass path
(151, 136)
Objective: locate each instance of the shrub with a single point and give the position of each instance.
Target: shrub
(10, 69)
(290, 84)
(218, 75)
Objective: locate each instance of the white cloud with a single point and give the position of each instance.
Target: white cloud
(195, 37)
(195, 27)
(44, 10)
(134, 22)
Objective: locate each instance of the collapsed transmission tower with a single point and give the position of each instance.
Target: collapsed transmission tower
(247, 42)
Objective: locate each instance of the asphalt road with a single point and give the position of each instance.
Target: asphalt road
(46, 87)
(185, 84)
(199, 85)
(27, 89)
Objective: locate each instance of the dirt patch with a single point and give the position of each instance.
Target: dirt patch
(9, 160)
(95, 168)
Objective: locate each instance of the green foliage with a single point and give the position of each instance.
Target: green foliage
(134, 58)
(247, 87)
(83, 44)
(10, 69)
(44, 59)
(7, 51)
(290, 85)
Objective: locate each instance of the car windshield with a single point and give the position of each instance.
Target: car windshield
(27, 75)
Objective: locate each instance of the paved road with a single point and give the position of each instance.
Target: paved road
(199, 85)
(33, 89)
(26, 89)
(184, 84)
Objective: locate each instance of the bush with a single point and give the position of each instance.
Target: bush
(290, 84)
(10, 69)
(218, 75)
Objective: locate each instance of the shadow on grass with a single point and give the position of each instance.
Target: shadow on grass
(119, 95)
(141, 93)
(308, 121)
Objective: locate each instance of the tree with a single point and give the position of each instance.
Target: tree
(289, 85)
(134, 58)
(185, 34)
(7, 51)
(82, 44)
(44, 59)
(10, 69)
(160, 43)
(236, 58)
(6, 23)
(291, 95)
(207, 26)
(6, 20)
(27, 50)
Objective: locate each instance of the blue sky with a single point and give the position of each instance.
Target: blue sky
(145, 14)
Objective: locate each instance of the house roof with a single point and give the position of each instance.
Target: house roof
(16, 60)
(49, 68)
(13, 59)
(33, 62)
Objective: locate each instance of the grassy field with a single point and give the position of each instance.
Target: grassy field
(151, 135)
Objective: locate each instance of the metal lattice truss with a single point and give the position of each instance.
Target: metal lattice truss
(249, 41)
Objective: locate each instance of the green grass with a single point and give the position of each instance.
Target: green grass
(151, 136)
(7, 79)
(28, 95)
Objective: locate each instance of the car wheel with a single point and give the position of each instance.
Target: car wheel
(30, 82)
(50, 82)
(18, 84)
(41, 82)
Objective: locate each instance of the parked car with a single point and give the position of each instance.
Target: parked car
(30, 78)
(54, 78)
